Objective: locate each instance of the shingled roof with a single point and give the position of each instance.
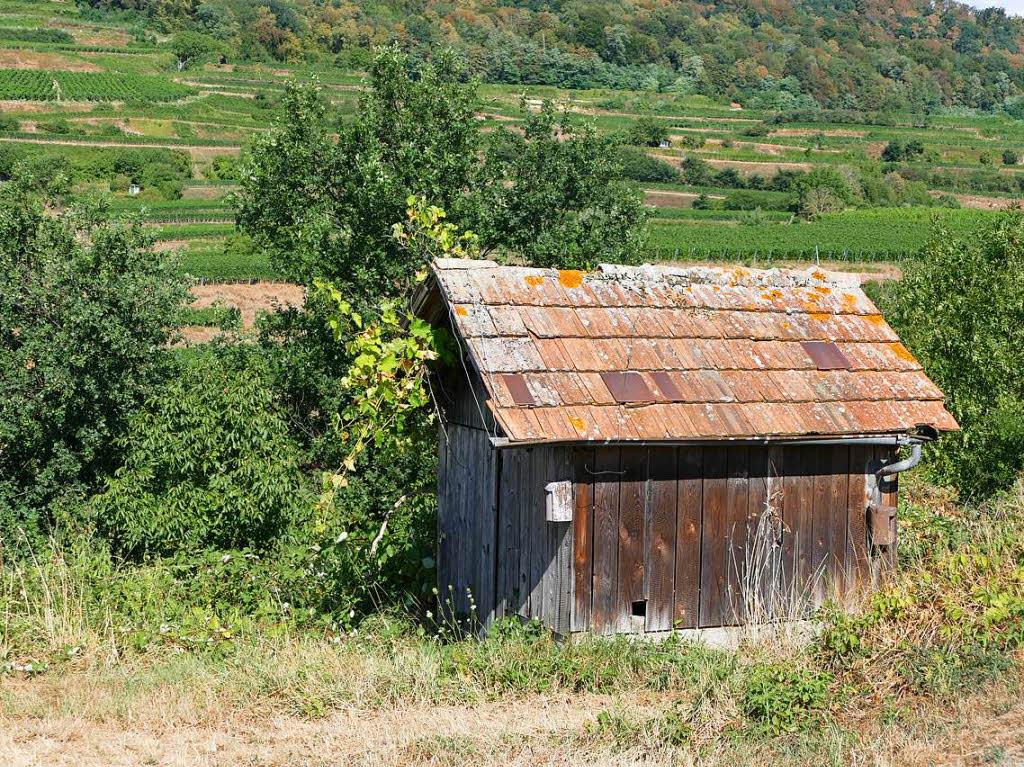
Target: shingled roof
(682, 354)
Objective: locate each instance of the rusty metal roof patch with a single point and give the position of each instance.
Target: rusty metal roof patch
(826, 355)
(627, 387)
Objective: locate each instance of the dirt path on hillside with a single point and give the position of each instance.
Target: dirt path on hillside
(748, 166)
(979, 202)
(195, 151)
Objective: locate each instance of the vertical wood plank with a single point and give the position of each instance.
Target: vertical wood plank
(457, 477)
(583, 539)
(888, 490)
(525, 532)
(713, 596)
(772, 578)
(804, 545)
(510, 537)
(838, 505)
(760, 539)
(858, 563)
(444, 519)
(737, 500)
(689, 510)
(632, 499)
(538, 532)
(553, 553)
(798, 503)
(821, 524)
(660, 514)
(606, 539)
(485, 546)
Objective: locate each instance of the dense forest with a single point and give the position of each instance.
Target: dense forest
(782, 54)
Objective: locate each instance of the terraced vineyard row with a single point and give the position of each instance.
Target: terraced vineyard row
(42, 85)
(880, 234)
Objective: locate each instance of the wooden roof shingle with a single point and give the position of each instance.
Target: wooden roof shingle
(710, 353)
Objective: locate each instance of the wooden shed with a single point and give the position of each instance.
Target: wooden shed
(642, 449)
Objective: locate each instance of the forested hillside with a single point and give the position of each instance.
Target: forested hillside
(778, 54)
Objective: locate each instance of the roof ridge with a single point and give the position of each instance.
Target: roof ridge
(735, 275)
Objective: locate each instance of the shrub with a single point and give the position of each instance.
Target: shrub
(1009, 157)
(958, 309)
(784, 698)
(208, 463)
(640, 166)
(647, 131)
(900, 150)
(85, 307)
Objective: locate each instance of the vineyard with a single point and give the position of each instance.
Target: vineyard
(35, 85)
(882, 234)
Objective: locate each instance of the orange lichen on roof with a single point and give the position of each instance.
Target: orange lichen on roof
(875, 319)
(570, 278)
(461, 311)
(823, 290)
(577, 423)
(818, 274)
(772, 295)
(820, 316)
(902, 352)
(534, 280)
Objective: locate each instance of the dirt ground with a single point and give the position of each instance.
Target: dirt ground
(664, 199)
(534, 730)
(839, 132)
(250, 300)
(744, 166)
(11, 58)
(980, 202)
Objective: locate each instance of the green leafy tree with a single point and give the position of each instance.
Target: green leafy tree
(324, 206)
(959, 309)
(647, 131)
(85, 311)
(191, 48)
(552, 195)
(209, 462)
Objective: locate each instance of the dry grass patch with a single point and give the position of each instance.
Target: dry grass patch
(11, 58)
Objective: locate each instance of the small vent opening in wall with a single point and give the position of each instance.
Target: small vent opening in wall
(640, 609)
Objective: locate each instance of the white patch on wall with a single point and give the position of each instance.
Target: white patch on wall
(558, 500)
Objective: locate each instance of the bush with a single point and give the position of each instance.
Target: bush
(640, 166)
(1009, 157)
(208, 463)
(958, 309)
(85, 307)
(647, 131)
(784, 698)
(901, 150)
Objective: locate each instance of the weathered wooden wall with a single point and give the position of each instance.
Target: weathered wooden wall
(466, 519)
(534, 564)
(668, 537)
(661, 537)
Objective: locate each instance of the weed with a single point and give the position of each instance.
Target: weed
(780, 698)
